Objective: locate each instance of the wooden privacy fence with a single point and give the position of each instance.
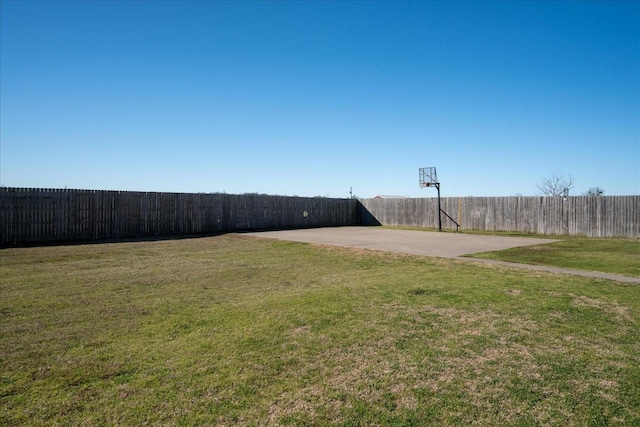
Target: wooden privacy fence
(602, 216)
(47, 215)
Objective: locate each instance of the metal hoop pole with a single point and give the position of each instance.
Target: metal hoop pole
(439, 208)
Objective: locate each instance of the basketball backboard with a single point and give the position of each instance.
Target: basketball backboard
(428, 177)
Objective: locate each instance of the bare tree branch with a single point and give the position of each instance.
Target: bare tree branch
(595, 191)
(556, 185)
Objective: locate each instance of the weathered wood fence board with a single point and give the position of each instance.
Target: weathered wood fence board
(46, 215)
(603, 216)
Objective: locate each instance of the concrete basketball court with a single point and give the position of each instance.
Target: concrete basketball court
(426, 243)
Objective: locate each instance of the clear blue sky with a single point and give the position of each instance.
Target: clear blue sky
(312, 98)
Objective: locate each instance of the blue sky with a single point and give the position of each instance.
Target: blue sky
(312, 98)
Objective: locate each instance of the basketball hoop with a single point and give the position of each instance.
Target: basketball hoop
(429, 177)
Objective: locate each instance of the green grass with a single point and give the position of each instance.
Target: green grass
(234, 330)
(621, 256)
(618, 256)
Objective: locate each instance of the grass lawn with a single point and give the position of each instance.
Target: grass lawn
(621, 256)
(235, 330)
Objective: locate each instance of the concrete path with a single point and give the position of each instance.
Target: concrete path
(445, 245)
